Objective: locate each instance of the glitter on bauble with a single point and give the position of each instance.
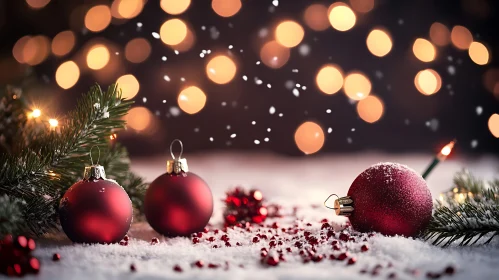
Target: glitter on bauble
(95, 209)
(389, 198)
(179, 202)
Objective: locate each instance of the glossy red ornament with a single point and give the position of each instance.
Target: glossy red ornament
(389, 198)
(95, 210)
(179, 202)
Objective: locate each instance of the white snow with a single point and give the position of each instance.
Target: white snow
(304, 182)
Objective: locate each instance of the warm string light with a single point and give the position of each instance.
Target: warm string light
(289, 33)
(98, 57)
(191, 100)
(174, 7)
(137, 50)
(67, 74)
(329, 79)
(341, 17)
(357, 86)
(36, 113)
(493, 124)
(274, 55)
(370, 109)
(441, 156)
(428, 81)
(461, 37)
(221, 69)
(98, 18)
(173, 32)
(129, 86)
(226, 8)
(63, 43)
(316, 17)
(424, 50)
(379, 42)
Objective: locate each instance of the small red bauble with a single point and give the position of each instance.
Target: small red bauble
(178, 203)
(95, 210)
(389, 198)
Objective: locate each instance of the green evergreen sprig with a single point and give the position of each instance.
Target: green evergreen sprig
(467, 214)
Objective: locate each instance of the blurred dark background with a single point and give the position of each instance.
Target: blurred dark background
(412, 122)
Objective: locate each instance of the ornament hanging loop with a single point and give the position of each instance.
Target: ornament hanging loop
(90, 153)
(325, 201)
(179, 164)
(181, 148)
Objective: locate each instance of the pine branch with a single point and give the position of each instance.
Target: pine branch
(11, 218)
(472, 217)
(12, 117)
(50, 162)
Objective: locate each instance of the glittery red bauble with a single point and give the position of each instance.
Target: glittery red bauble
(178, 204)
(391, 199)
(95, 211)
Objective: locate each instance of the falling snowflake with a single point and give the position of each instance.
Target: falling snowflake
(272, 110)
(155, 35)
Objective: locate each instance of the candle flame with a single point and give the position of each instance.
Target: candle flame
(448, 148)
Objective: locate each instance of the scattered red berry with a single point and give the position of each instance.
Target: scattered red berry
(256, 239)
(126, 238)
(342, 256)
(450, 270)
(177, 268)
(272, 261)
(199, 264)
(56, 257)
(211, 265)
(195, 240)
(352, 260)
(364, 248)
(154, 241)
(133, 268)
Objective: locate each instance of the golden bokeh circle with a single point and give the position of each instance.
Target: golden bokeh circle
(379, 42)
(309, 137)
(221, 69)
(329, 79)
(289, 33)
(191, 100)
(370, 109)
(173, 32)
(67, 74)
(357, 86)
(129, 86)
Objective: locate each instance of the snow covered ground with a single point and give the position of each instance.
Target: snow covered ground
(303, 182)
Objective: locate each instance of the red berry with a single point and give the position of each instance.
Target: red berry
(34, 265)
(225, 237)
(324, 220)
(344, 237)
(177, 268)
(351, 239)
(342, 256)
(195, 240)
(216, 231)
(56, 257)
(352, 260)
(199, 234)
(272, 261)
(215, 246)
(206, 230)
(227, 244)
(126, 238)
(325, 225)
(272, 243)
(330, 233)
(256, 239)
(211, 265)
(238, 244)
(298, 244)
(199, 264)
(450, 270)
(133, 268)
(21, 242)
(154, 241)
(263, 254)
(334, 242)
(288, 249)
(332, 257)
(317, 258)
(364, 248)
(123, 243)
(392, 275)
(309, 224)
(336, 247)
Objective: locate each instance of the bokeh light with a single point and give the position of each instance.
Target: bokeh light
(491, 81)
(221, 69)
(139, 119)
(428, 81)
(379, 42)
(36, 113)
(130, 8)
(274, 55)
(18, 49)
(289, 33)
(129, 86)
(479, 53)
(424, 50)
(63, 43)
(97, 57)
(36, 50)
(309, 137)
(357, 86)
(137, 50)
(341, 17)
(226, 8)
(37, 4)
(494, 125)
(175, 7)
(370, 109)
(67, 74)
(439, 34)
(98, 18)
(362, 6)
(187, 43)
(461, 37)
(191, 100)
(315, 17)
(53, 122)
(329, 79)
(173, 32)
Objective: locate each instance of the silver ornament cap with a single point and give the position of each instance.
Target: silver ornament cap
(94, 171)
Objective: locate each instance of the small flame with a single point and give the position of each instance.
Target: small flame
(448, 148)
(36, 113)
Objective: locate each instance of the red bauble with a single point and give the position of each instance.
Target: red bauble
(178, 204)
(392, 199)
(95, 210)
